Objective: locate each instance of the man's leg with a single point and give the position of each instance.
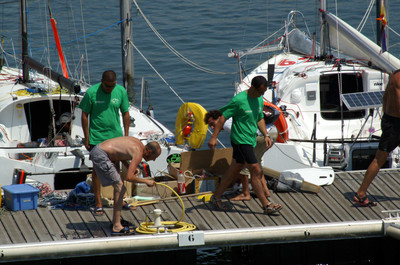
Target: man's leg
(119, 192)
(96, 189)
(245, 194)
(227, 180)
(372, 171)
(256, 183)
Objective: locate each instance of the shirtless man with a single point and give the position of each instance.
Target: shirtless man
(108, 153)
(390, 137)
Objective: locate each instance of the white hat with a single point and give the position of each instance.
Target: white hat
(64, 118)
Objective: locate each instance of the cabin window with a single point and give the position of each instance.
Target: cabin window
(330, 98)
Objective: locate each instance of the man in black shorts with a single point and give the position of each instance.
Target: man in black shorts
(246, 109)
(390, 138)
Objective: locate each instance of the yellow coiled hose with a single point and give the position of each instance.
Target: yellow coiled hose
(171, 226)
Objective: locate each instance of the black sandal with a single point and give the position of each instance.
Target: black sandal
(364, 202)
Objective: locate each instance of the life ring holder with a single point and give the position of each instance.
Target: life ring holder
(190, 126)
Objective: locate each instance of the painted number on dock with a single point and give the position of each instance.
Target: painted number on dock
(192, 238)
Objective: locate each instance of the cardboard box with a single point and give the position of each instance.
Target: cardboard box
(108, 192)
(20, 197)
(215, 162)
(141, 189)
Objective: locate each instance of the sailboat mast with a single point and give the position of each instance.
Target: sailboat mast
(24, 37)
(127, 48)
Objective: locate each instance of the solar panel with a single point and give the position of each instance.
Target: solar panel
(363, 100)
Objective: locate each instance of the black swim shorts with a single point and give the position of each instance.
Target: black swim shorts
(244, 153)
(390, 137)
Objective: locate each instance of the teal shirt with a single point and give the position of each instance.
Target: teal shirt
(104, 112)
(245, 112)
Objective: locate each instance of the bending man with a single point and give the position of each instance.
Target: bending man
(108, 153)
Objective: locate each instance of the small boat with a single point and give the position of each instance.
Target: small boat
(33, 100)
(313, 86)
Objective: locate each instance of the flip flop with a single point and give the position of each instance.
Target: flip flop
(126, 231)
(98, 211)
(127, 206)
(364, 202)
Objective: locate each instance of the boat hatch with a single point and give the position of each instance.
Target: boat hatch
(330, 96)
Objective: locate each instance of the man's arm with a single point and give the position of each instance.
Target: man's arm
(132, 173)
(218, 127)
(263, 129)
(85, 128)
(126, 120)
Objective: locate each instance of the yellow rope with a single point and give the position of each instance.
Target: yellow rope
(179, 226)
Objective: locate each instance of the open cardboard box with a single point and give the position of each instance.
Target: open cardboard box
(215, 162)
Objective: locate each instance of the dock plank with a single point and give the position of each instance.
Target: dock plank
(77, 224)
(103, 221)
(51, 224)
(65, 224)
(90, 222)
(4, 238)
(25, 226)
(329, 197)
(12, 228)
(38, 226)
(246, 214)
(208, 219)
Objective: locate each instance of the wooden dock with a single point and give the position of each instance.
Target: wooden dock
(328, 215)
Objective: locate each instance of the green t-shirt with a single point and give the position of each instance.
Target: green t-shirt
(103, 110)
(245, 112)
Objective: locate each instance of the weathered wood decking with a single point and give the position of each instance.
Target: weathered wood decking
(305, 216)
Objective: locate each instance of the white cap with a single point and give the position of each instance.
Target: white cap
(64, 118)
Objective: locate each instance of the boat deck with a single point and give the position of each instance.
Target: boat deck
(327, 215)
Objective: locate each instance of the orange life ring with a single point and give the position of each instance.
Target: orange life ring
(280, 124)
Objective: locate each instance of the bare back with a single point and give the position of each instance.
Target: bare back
(123, 148)
(391, 98)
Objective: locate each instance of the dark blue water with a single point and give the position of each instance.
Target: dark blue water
(203, 31)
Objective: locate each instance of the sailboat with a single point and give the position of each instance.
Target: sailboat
(313, 88)
(34, 99)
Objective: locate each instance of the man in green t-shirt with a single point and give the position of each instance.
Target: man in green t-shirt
(103, 103)
(246, 110)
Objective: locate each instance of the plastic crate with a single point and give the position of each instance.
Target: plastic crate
(20, 197)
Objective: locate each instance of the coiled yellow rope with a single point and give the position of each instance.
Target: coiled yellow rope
(171, 226)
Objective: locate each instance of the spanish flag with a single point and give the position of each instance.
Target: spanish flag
(383, 20)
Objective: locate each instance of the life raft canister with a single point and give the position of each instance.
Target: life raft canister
(190, 126)
(280, 124)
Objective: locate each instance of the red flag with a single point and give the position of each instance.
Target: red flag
(58, 44)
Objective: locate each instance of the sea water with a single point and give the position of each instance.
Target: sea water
(202, 31)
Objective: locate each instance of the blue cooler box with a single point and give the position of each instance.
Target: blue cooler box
(20, 197)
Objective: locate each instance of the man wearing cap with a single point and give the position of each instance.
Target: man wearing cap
(103, 103)
(63, 137)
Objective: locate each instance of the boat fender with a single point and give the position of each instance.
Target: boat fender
(190, 126)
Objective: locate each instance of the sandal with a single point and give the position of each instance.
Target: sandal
(127, 206)
(364, 202)
(215, 204)
(98, 211)
(270, 210)
(126, 231)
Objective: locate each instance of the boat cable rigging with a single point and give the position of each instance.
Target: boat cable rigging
(174, 51)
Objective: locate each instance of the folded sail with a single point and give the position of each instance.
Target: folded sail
(353, 43)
